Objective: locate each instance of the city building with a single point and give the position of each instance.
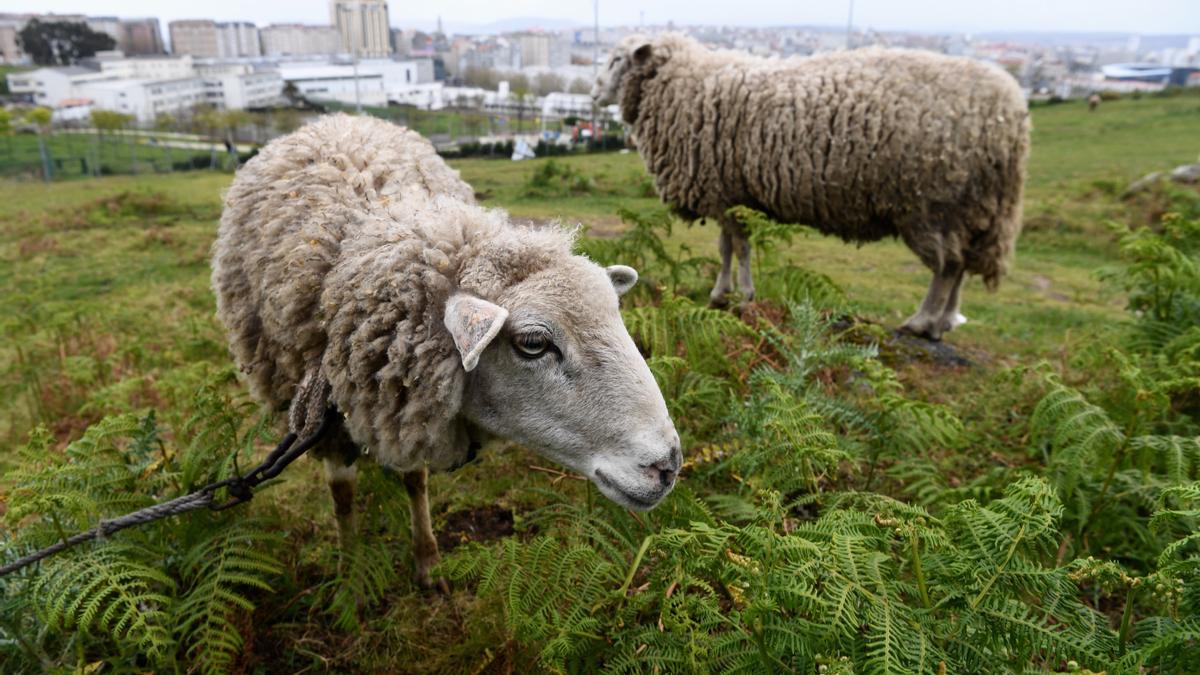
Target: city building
(363, 26)
(1151, 73)
(325, 82)
(237, 39)
(49, 86)
(141, 36)
(109, 25)
(144, 100)
(238, 86)
(10, 49)
(146, 86)
(207, 39)
(293, 39)
(539, 49)
(196, 37)
(379, 81)
(136, 36)
(560, 105)
(114, 64)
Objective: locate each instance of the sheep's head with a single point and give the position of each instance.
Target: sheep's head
(551, 365)
(630, 54)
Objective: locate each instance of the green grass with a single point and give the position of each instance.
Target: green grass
(105, 308)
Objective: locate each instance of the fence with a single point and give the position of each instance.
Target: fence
(77, 154)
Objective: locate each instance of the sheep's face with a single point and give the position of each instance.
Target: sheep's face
(629, 53)
(551, 365)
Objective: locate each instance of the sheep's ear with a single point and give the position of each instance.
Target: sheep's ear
(642, 53)
(623, 278)
(473, 323)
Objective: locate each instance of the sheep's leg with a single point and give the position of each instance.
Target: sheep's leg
(342, 478)
(951, 318)
(425, 548)
(716, 299)
(741, 246)
(927, 321)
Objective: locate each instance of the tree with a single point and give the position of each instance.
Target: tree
(580, 86)
(165, 122)
(478, 76)
(548, 83)
(520, 91)
(285, 120)
(232, 120)
(61, 43)
(6, 129)
(110, 120)
(41, 118)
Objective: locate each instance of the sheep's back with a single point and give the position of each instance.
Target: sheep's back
(285, 219)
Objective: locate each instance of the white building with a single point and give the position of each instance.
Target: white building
(144, 99)
(324, 82)
(48, 86)
(145, 87)
(560, 105)
(150, 67)
(237, 39)
(293, 39)
(380, 81)
(363, 25)
(238, 91)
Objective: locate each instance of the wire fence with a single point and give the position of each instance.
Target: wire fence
(78, 154)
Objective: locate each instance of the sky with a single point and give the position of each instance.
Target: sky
(1125, 16)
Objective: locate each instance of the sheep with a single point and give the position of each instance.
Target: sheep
(352, 269)
(860, 144)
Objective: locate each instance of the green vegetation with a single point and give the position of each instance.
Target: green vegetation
(848, 504)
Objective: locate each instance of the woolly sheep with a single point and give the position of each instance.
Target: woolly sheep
(862, 144)
(352, 269)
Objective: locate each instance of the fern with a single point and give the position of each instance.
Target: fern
(219, 571)
(113, 591)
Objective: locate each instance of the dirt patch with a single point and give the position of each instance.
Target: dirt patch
(33, 245)
(905, 348)
(1043, 286)
(485, 523)
(897, 348)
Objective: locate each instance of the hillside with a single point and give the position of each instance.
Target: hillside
(850, 500)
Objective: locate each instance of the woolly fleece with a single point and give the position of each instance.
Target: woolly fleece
(337, 250)
(861, 144)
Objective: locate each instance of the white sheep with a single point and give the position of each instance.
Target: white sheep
(861, 144)
(353, 269)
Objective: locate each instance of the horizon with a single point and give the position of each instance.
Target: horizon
(1153, 17)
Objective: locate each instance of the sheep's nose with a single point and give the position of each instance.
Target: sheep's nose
(666, 470)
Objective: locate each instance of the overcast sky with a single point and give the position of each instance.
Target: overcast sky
(1142, 16)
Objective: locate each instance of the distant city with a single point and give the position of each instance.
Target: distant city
(545, 69)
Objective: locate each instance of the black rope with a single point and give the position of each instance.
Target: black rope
(239, 488)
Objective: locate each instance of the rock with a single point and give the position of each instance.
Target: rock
(912, 348)
(1143, 183)
(1188, 173)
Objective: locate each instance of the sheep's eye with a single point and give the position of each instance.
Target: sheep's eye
(532, 345)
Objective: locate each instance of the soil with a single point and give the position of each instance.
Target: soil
(482, 524)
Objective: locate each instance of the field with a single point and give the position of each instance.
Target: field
(851, 501)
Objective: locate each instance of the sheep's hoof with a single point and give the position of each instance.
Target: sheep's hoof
(437, 584)
(923, 326)
(720, 302)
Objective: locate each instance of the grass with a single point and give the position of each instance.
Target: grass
(105, 297)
